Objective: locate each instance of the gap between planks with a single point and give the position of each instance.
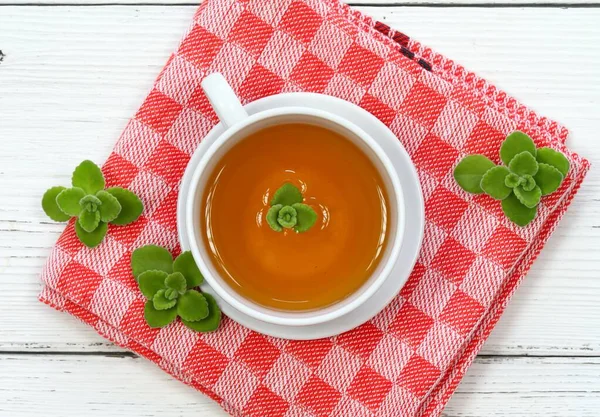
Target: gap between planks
(542, 5)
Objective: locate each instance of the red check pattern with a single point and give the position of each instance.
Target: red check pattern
(408, 360)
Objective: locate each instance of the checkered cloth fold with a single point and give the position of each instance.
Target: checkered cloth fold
(408, 360)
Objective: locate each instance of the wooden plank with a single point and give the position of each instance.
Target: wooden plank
(378, 3)
(500, 386)
(124, 386)
(72, 76)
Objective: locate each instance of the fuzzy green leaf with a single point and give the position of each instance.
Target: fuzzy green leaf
(192, 306)
(523, 164)
(131, 206)
(548, 178)
(527, 182)
(110, 207)
(161, 302)
(556, 159)
(68, 201)
(90, 203)
(469, 172)
(272, 217)
(88, 176)
(151, 258)
(171, 294)
(287, 217)
(306, 217)
(529, 198)
(50, 206)
(187, 266)
(91, 239)
(89, 220)
(512, 180)
(514, 144)
(152, 282)
(158, 318)
(176, 281)
(493, 183)
(287, 195)
(209, 323)
(517, 212)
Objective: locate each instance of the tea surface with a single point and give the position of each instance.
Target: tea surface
(288, 270)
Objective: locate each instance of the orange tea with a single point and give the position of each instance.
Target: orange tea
(290, 270)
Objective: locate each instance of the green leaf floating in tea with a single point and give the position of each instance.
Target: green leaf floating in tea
(306, 217)
(92, 205)
(287, 217)
(288, 212)
(169, 285)
(287, 195)
(529, 174)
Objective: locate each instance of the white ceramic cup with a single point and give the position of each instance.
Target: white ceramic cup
(238, 126)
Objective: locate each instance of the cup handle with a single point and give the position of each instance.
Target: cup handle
(223, 100)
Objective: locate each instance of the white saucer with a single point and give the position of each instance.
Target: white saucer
(415, 215)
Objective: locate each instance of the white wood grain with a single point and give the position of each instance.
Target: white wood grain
(126, 386)
(72, 76)
(379, 3)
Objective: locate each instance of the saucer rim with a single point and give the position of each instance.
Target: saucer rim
(413, 234)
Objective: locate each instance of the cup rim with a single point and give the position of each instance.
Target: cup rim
(294, 319)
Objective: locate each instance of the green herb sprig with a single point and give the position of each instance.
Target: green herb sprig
(528, 174)
(168, 286)
(288, 212)
(92, 205)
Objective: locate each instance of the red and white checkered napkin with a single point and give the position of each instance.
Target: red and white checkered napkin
(408, 360)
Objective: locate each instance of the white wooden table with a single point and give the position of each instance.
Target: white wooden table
(72, 73)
